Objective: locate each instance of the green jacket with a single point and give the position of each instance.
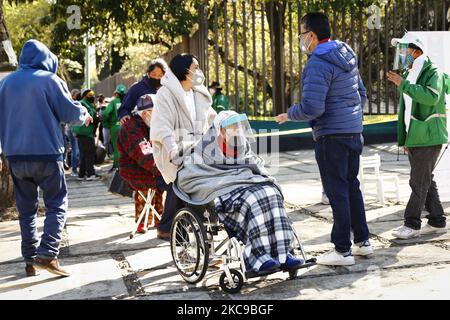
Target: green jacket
(220, 102)
(83, 130)
(109, 115)
(428, 124)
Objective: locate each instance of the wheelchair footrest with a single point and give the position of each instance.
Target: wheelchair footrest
(307, 264)
(253, 274)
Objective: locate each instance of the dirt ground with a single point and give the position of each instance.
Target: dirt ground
(10, 214)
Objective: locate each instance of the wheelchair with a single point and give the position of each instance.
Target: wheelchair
(194, 249)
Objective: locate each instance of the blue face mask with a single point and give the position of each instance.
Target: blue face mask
(409, 60)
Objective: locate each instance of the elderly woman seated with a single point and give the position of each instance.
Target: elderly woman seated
(222, 169)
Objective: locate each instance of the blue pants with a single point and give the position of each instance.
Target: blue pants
(49, 177)
(171, 205)
(338, 160)
(75, 152)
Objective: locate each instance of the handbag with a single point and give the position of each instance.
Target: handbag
(119, 186)
(100, 153)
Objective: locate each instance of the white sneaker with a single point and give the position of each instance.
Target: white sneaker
(427, 229)
(325, 199)
(93, 178)
(362, 249)
(405, 232)
(334, 258)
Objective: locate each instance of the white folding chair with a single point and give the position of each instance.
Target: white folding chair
(145, 212)
(374, 162)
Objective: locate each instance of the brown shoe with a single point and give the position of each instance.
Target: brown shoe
(30, 270)
(51, 265)
(163, 235)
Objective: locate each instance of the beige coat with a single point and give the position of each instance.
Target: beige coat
(173, 131)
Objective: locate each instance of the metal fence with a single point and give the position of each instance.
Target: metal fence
(251, 46)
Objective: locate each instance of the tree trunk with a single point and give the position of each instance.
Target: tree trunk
(275, 17)
(7, 198)
(8, 62)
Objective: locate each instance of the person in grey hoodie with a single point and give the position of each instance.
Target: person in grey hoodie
(34, 101)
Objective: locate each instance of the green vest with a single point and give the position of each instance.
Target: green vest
(428, 124)
(109, 115)
(83, 130)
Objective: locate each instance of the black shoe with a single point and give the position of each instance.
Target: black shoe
(163, 235)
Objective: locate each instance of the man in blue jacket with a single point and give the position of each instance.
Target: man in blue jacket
(333, 97)
(149, 84)
(34, 101)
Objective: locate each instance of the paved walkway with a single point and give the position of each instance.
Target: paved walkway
(106, 264)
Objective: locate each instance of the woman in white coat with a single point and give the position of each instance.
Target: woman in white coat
(182, 114)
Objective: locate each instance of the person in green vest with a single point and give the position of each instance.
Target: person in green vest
(220, 101)
(422, 130)
(110, 120)
(86, 141)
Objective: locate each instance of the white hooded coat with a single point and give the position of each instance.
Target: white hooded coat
(173, 131)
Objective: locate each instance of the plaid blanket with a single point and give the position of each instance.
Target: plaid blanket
(256, 216)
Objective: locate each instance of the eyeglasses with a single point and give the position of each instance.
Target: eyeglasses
(302, 33)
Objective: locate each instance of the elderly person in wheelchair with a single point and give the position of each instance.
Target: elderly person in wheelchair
(222, 171)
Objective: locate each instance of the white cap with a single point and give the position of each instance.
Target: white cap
(409, 37)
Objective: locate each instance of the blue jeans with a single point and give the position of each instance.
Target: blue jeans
(171, 205)
(49, 177)
(75, 151)
(338, 160)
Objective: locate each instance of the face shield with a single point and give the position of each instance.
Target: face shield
(400, 61)
(237, 130)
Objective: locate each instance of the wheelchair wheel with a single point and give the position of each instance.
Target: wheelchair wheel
(236, 286)
(189, 245)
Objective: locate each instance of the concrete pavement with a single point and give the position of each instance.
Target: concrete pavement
(106, 264)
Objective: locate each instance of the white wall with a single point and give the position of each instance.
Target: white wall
(438, 49)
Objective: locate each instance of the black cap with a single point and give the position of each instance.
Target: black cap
(215, 84)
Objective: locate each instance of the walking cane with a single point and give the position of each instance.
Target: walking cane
(435, 166)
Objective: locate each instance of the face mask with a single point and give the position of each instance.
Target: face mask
(91, 99)
(155, 83)
(409, 60)
(197, 77)
(305, 47)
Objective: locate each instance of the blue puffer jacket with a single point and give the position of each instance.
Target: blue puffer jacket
(134, 93)
(333, 94)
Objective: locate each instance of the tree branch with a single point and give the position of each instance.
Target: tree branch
(157, 41)
(241, 68)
